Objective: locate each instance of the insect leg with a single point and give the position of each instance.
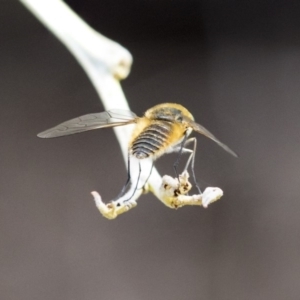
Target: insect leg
(192, 159)
(128, 178)
(147, 177)
(175, 166)
(137, 182)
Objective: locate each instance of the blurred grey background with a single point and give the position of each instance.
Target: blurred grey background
(236, 66)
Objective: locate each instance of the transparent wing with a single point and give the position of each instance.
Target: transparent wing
(109, 118)
(200, 129)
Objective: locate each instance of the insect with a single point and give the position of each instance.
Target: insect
(164, 128)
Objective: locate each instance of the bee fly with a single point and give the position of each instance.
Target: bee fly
(164, 128)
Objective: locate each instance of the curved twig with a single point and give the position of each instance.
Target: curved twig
(106, 63)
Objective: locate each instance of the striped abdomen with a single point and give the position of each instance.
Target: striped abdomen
(151, 140)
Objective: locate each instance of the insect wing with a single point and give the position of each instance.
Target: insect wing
(200, 129)
(109, 118)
